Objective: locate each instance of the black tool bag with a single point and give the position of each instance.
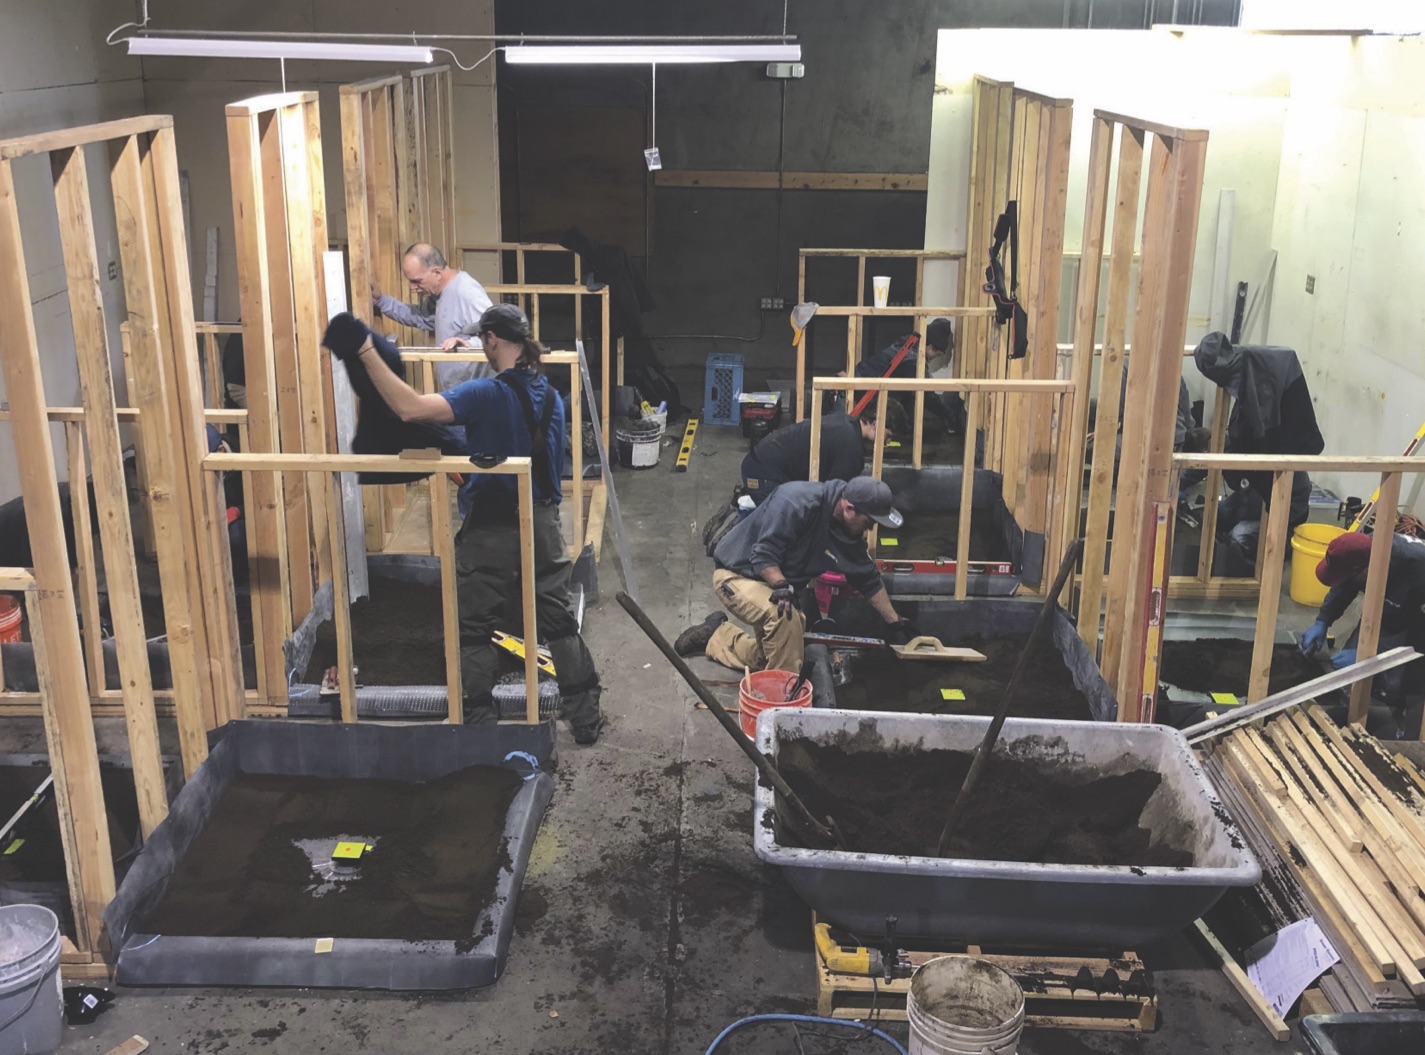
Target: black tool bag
(1006, 295)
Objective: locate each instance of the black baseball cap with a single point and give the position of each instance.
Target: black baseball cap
(506, 321)
(873, 498)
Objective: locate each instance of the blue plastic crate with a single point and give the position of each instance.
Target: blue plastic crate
(722, 385)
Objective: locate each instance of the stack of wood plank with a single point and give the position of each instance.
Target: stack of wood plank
(1349, 823)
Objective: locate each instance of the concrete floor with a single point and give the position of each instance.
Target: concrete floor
(647, 921)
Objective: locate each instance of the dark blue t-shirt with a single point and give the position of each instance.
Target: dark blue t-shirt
(494, 422)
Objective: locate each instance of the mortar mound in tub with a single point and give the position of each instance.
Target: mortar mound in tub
(1133, 846)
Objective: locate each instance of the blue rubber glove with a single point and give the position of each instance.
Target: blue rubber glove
(1314, 639)
(1344, 658)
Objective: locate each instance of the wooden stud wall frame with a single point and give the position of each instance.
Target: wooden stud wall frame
(520, 252)
(1274, 541)
(919, 317)
(211, 338)
(1133, 595)
(139, 171)
(528, 295)
(74, 763)
(1020, 152)
(431, 120)
(316, 467)
(1058, 395)
(863, 258)
(992, 124)
(424, 362)
(279, 225)
(393, 535)
(391, 165)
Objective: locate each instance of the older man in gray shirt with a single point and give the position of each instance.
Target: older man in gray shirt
(459, 303)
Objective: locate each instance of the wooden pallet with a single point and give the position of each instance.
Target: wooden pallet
(1061, 992)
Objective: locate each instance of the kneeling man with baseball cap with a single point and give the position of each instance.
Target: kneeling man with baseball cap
(803, 530)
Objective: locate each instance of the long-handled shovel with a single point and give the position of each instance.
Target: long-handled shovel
(987, 745)
(827, 832)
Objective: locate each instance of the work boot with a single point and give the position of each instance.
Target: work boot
(694, 640)
(588, 735)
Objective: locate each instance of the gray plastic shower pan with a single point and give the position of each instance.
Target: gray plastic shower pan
(1083, 906)
(417, 752)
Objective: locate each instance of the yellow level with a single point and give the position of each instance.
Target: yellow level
(515, 646)
(686, 450)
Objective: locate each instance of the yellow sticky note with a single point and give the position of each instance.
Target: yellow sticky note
(952, 694)
(892, 443)
(324, 944)
(888, 542)
(1224, 698)
(14, 846)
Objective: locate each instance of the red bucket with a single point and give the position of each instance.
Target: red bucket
(768, 688)
(10, 615)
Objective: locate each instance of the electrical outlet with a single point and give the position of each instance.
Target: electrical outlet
(1311, 283)
(113, 271)
(773, 303)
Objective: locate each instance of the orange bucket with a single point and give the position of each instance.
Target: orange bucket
(10, 615)
(767, 688)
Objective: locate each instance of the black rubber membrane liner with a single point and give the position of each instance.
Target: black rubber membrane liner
(410, 753)
(936, 489)
(956, 621)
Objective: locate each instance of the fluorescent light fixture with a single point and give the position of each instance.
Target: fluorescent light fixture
(205, 47)
(644, 54)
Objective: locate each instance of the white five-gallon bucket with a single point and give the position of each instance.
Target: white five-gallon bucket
(31, 998)
(958, 1005)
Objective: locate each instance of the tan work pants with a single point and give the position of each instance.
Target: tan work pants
(775, 642)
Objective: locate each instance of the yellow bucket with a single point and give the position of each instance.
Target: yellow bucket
(1308, 546)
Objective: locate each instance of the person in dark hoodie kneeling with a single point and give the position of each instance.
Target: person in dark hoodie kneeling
(1271, 414)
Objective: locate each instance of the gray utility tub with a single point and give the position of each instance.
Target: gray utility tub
(1097, 906)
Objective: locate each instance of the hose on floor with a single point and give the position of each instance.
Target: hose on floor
(808, 1020)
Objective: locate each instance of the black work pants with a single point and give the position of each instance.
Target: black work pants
(487, 568)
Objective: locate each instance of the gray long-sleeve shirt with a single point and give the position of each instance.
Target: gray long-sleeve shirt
(457, 311)
(794, 531)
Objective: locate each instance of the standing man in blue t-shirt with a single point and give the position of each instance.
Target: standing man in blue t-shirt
(514, 414)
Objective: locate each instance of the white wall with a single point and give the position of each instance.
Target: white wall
(1323, 141)
(55, 72)
(1197, 80)
(1350, 213)
(195, 91)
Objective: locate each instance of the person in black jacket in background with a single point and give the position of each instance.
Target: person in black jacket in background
(939, 350)
(785, 455)
(1271, 414)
